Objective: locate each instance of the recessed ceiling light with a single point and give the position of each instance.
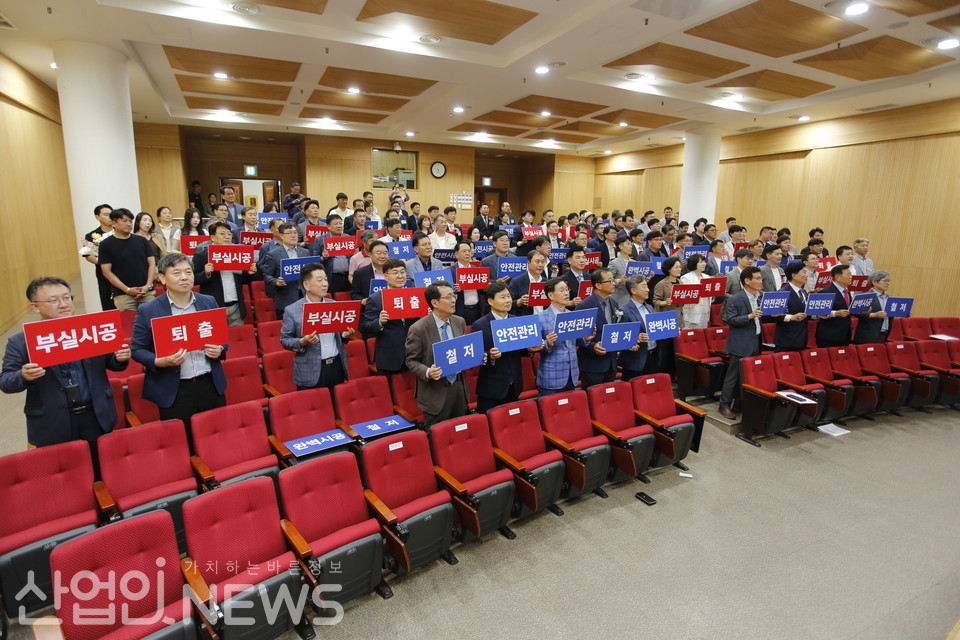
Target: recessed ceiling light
(948, 43)
(225, 112)
(458, 109)
(410, 134)
(623, 124)
(353, 90)
(804, 118)
(216, 135)
(545, 113)
(856, 8)
(325, 120)
(607, 152)
(220, 74)
(244, 137)
(429, 38)
(639, 77)
(53, 65)
(246, 8)
(542, 70)
(550, 140)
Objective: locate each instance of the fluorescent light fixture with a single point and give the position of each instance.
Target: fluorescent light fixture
(856, 8)
(607, 152)
(946, 43)
(458, 109)
(220, 75)
(542, 70)
(623, 124)
(353, 90)
(545, 113)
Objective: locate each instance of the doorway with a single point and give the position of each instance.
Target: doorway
(491, 196)
(254, 193)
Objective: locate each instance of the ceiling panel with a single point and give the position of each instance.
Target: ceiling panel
(883, 57)
(339, 114)
(556, 106)
(307, 6)
(240, 106)
(520, 119)
(372, 82)
(492, 129)
(245, 67)
(640, 119)
(236, 88)
(472, 20)
(596, 128)
(560, 137)
(773, 85)
(947, 23)
(912, 8)
(676, 63)
(776, 28)
(356, 100)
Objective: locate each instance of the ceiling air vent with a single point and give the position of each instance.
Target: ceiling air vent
(879, 107)
(6, 24)
(654, 145)
(749, 129)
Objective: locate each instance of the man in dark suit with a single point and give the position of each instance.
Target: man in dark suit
(249, 222)
(423, 261)
(608, 245)
(772, 274)
(226, 287)
(634, 361)
(520, 285)
(282, 292)
(714, 258)
(234, 208)
(70, 401)
(469, 304)
(389, 354)
(500, 379)
(874, 325)
(186, 382)
(834, 330)
(574, 275)
(743, 339)
(319, 360)
(791, 331)
(485, 222)
(440, 397)
(744, 260)
(596, 365)
(362, 277)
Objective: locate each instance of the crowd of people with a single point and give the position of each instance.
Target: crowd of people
(134, 255)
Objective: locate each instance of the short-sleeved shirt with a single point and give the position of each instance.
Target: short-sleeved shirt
(128, 259)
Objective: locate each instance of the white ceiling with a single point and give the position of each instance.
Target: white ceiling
(584, 34)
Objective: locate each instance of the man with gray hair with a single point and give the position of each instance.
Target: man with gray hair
(874, 325)
(361, 258)
(861, 262)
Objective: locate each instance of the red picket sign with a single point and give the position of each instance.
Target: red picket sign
(188, 244)
(529, 233)
(340, 245)
(314, 231)
(60, 340)
(739, 245)
(477, 278)
(190, 331)
(859, 284)
(825, 264)
(824, 278)
(538, 296)
(713, 287)
(406, 235)
(230, 257)
(405, 303)
(330, 317)
(564, 233)
(254, 239)
(586, 290)
(593, 261)
(380, 233)
(685, 294)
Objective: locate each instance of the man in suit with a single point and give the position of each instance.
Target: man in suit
(226, 287)
(744, 260)
(319, 360)
(70, 401)
(558, 370)
(642, 359)
(249, 222)
(772, 274)
(283, 292)
(500, 379)
(714, 259)
(575, 275)
(608, 245)
(337, 267)
(743, 339)
(654, 247)
(834, 330)
(596, 365)
(542, 244)
(440, 397)
(520, 285)
(362, 277)
(861, 262)
(186, 382)
(526, 221)
(485, 222)
(469, 304)
(389, 354)
(234, 208)
(791, 331)
(874, 325)
(501, 249)
(424, 260)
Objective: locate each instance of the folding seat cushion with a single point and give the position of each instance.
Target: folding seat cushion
(946, 326)
(148, 468)
(632, 441)
(933, 355)
(716, 338)
(46, 498)
(323, 498)
(268, 335)
(235, 542)
(357, 364)
(764, 412)
(244, 381)
(515, 430)
(529, 379)
(926, 382)
(873, 361)
(141, 411)
(278, 371)
(301, 413)
(698, 372)
(232, 441)
(653, 398)
(463, 449)
(916, 328)
(122, 608)
(790, 375)
(365, 400)
(399, 470)
(566, 421)
(817, 367)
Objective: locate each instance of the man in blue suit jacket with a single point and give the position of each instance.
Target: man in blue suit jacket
(743, 340)
(186, 382)
(424, 260)
(500, 378)
(791, 331)
(470, 304)
(520, 285)
(596, 365)
(641, 360)
(390, 351)
(282, 292)
(222, 284)
(558, 370)
(319, 360)
(70, 401)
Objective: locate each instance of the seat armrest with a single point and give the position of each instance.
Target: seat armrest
(815, 379)
(607, 431)
(132, 419)
(380, 509)
(718, 354)
(196, 582)
(508, 461)
(279, 448)
(758, 391)
(796, 387)
(871, 372)
(841, 374)
(347, 429)
(47, 628)
(932, 367)
(272, 391)
(684, 356)
(298, 544)
(451, 483)
(559, 443)
(105, 502)
(653, 422)
(912, 372)
(203, 472)
(406, 415)
(373, 368)
(689, 408)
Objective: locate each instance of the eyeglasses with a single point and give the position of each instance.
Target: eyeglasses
(606, 282)
(55, 301)
(449, 296)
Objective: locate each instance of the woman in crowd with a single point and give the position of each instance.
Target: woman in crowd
(662, 301)
(169, 231)
(193, 223)
(144, 226)
(697, 315)
(473, 234)
(425, 224)
(440, 239)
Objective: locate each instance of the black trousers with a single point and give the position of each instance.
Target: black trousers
(484, 403)
(589, 379)
(193, 396)
(339, 282)
(105, 289)
(85, 426)
(330, 376)
(652, 364)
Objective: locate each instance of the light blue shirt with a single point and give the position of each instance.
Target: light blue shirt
(196, 363)
(642, 310)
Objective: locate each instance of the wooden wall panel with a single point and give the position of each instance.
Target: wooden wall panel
(160, 167)
(573, 187)
(765, 188)
(33, 154)
(505, 173)
(661, 188)
(620, 191)
(538, 184)
(26, 90)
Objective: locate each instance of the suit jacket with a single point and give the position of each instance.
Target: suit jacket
(233, 215)
(496, 377)
(48, 420)
(634, 360)
(834, 330)
(869, 329)
(587, 358)
(422, 335)
(306, 358)
(712, 268)
(360, 287)
(571, 279)
(241, 229)
(161, 383)
(461, 305)
(282, 296)
(742, 339)
(389, 354)
(519, 287)
(558, 364)
(769, 284)
(486, 230)
(414, 265)
(605, 256)
(733, 287)
(647, 255)
(212, 285)
(791, 335)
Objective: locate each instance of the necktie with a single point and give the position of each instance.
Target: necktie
(846, 296)
(445, 335)
(606, 311)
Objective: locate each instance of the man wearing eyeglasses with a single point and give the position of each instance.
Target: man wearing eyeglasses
(596, 365)
(70, 401)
